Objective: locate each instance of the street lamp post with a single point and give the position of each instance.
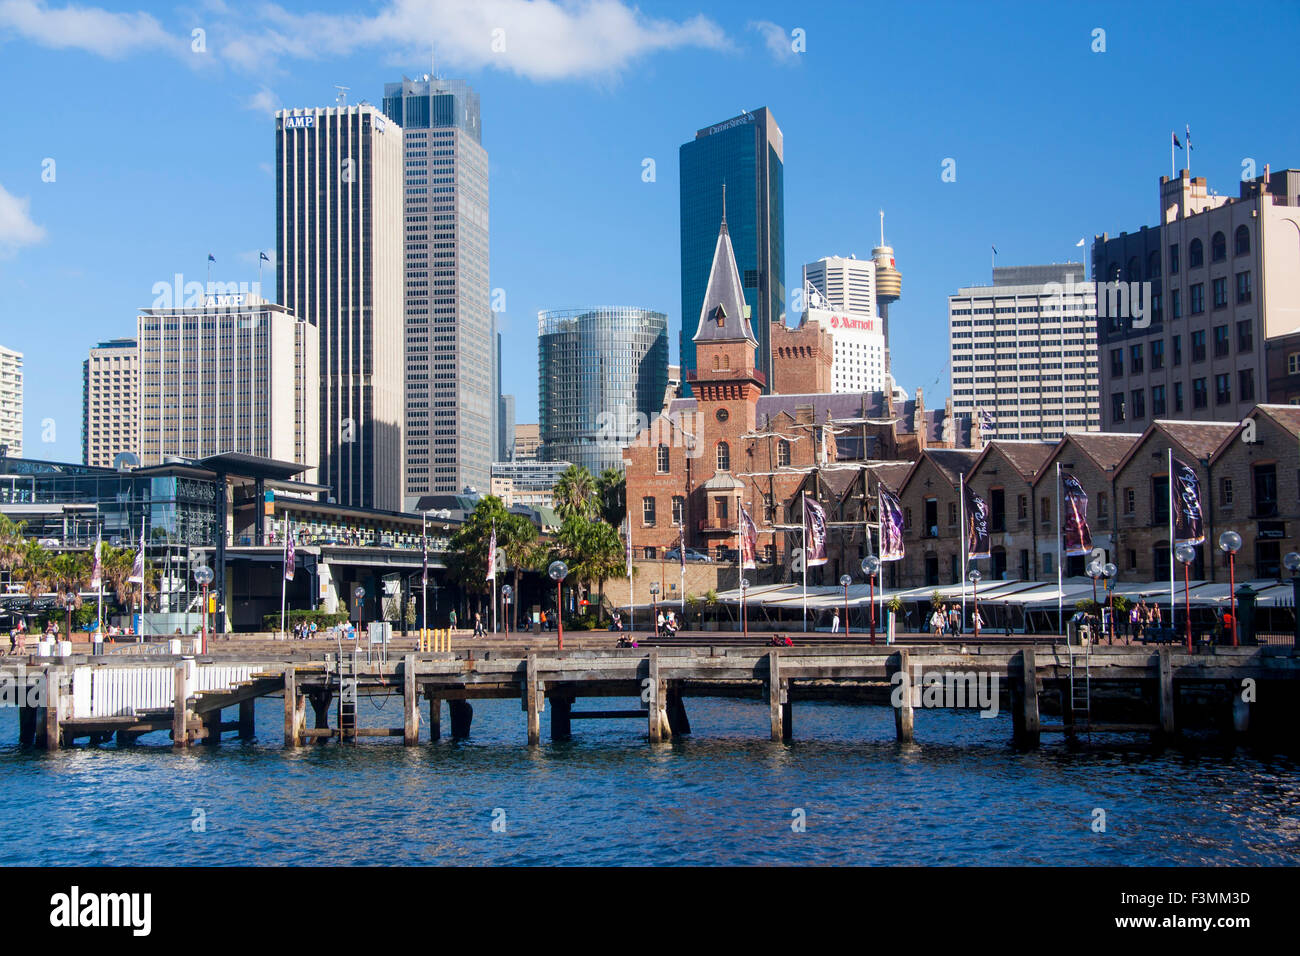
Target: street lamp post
(1186, 554)
(845, 581)
(654, 607)
(975, 581)
(203, 577)
(744, 618)
(871, 567)
(558, 571)
(359, 594)
(507, 592)
(1292, 563)
(1094, 571)
(1109, 572)
(1230, 542)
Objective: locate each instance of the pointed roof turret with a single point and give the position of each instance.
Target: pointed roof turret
(722, 315)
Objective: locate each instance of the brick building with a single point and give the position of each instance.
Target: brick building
(802, 358)
(729, 445)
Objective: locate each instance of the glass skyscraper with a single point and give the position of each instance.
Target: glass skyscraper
(451, 388)
(601, 375)
(746, 154)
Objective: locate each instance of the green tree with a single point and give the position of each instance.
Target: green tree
(611, 490)
(575, 493)
(516, 543)
(593, 550)
(67, 575)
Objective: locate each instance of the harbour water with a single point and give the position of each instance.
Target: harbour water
(724, 795)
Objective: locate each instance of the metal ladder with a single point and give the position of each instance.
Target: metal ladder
(1081, 683)
(347, 711)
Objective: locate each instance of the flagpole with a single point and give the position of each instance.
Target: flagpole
(1173, 169)
(631, 595)
(1172, 599)
(284, 578)
(140, 637)
(961, 495)
(805, 560)
(494, 577)
(1060, 558)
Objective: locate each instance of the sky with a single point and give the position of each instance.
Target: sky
(136, 139)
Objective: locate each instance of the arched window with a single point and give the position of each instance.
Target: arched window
(1153, 266)
(726, 361)
(783, 454)
(724, 456)
(1242, 242)
(717, 363)
(1218, 247)
(1195, 254)
(1134, 270)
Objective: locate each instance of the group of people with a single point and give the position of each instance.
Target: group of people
(947, 619)
(305, 630)
(666, 625)
(1141, 616)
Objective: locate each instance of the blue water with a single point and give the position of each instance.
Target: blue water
(725, 795)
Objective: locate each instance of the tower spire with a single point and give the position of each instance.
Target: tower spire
(724, 204)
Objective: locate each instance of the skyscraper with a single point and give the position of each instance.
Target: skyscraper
(1024, 352)
(232, 377)
(601, 375)
(841, 296)
(110, 402)
(451, 402)
(339, 240)
(746, 155)
(11, 401)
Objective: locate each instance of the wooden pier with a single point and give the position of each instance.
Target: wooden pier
(199, 699)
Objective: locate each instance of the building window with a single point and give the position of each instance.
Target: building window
(1134, 270)
(1178, 350)
(1157, 401)
(724, 456)
(1242, 241)
(952, 514)
(1195, 254)
(1045, 510)
(1116, 363)
(1218, 247)
(1153, 266)
(1178, 396)
(1173, 260)
(1219, 289)
(1117, 407)
(1243, 286)
(1225, 492)
(769, 509)
(1130, 502)
(1293, 363)
(662, 461)
(1157, 308)
(648, 512)
(1175, 304)
(1198, 346)
(1135, 359)
(1246, 385)
(1221, 344)
(1265, 490)
(907, 519)
(1022, 508)
(1103, 506)
(1139, 404)
(679, 509)
(720, 508)
(1222, 389)
(783, 453)
(1197, 294)
(1200, 397)
(1157, 354)
(1047, 562)
(650, 553)
(1245, 336)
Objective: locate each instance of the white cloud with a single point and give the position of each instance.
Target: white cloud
(92, 29)
(263, 101)
(16, 226)
(777, 39)
(536, 39)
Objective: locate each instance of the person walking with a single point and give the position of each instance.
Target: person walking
(835, 623)
(659, 624)
(937, 622)
(478, 625)
(451, 618)
(977, 622)
(954, 620)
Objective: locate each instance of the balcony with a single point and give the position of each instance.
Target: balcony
(716, 525)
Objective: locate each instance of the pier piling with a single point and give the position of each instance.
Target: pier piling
(435, 717)
(246, 712)
(180, 708)
(904, 719)
(410, 703)
(294, 712)
(53, 708)
(461, 713)
(533, 702)
(1167, 724)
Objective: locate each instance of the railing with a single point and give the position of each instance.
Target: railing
(125, 691)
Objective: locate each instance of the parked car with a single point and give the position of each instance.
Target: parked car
(675, 554)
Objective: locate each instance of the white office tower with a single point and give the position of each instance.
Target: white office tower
(238, 376)
(110, 402)
(11, 402)
(841, 296)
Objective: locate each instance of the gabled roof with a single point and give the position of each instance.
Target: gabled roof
(1026, 457)
(824, 406)
(1198, 439)
(892, 473)
(951, 463)
(722, 314)
(1287, 416)
(1106, 449)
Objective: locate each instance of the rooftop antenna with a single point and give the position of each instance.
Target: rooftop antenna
(341, 97)
(724, 203)
(882, 227)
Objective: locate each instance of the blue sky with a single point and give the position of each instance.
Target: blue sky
(163, 154)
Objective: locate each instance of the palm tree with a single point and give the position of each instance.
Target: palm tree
(68, 575)
(593, 551)
(518, 538)
(611, 489)
(575, 493)
(12, 543)
(32, 569)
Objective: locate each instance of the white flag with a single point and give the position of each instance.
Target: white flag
(96, 575)
(492, 555)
